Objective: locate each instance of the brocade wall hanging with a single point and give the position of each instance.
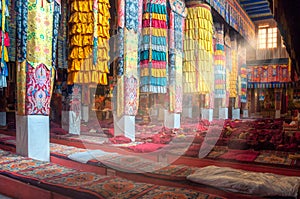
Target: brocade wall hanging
(269, 73)
(38, 87)
(177, 14)
(35, 73)
(129, 27)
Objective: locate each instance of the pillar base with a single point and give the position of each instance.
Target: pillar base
(187, 112)
(161, 114)
(277, 114)
(125, 125)
(245, 113)
(32, 136)
(3, 119)
(70, 122)
(207, 114)
(85, 113)
(171, 120)
(223, 113)
(236, 114)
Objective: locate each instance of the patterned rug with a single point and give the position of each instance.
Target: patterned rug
(173, 172)
(76, 184)
(63, 150)
(128, 163)
(217, 151)
(240, 155)
(135, 164)
(274, 157)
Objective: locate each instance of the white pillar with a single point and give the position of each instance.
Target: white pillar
(236, 114)
(171, 120)
(277, 114)
(2, 118)
(85, 113)
(70, 121)
(32, 136)
(223, 113)
(124, 125)
(245, 113)
(187, 112)
(207, 114)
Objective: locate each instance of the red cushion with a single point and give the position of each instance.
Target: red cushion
(146, 147)
(119, 140)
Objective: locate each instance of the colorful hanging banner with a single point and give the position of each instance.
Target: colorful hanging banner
(269, 73)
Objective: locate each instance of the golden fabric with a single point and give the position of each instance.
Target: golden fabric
(6, 59)
(85, 25)
(198, 50)
(21, 87)
(120, 94)
(39, 40)
(234, 74)
(155, 16)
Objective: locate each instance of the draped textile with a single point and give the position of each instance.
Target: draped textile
(243, 73)
(21, 87)
(234, 72)
(38, 87)
(219, 62)
(85, 64)
(12, 31)
(153, 54)
(131, 96)
(22, 16)
(176, 34)
(4, 43)
(39, 40)
(129, 20)
(35, 73)
(56, 18)
(198, 50)
(62, 56)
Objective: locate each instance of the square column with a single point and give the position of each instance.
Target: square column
(187, 112)
(70, 121)
(207, 114)
(85, 113)
(223, 113)
(171, 120)
(124, 125)
(32, 136)
(3, 119)
(236, 114)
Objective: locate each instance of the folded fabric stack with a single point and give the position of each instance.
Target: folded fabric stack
(198, 50)
(89, 34)
(153, 55)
